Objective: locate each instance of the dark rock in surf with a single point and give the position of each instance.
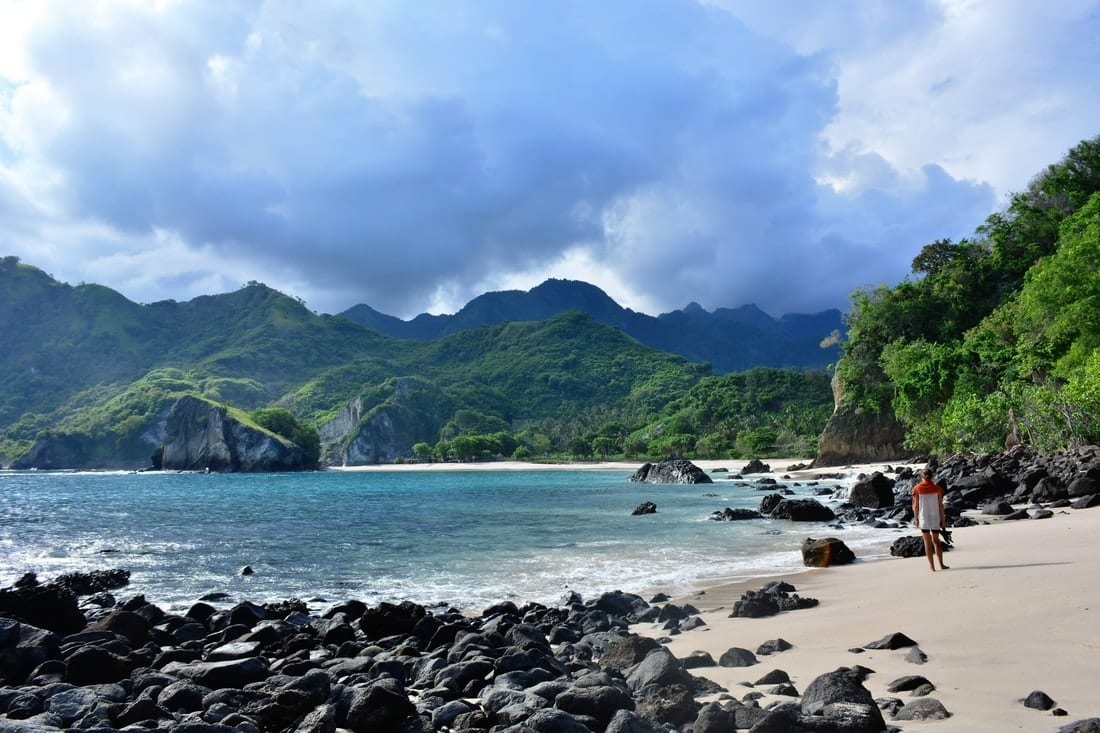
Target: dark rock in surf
(795, 510)
(755, 466)
(824, 552)
(735, 515)
(676, 471)
(876, 492)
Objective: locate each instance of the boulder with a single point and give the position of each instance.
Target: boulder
(840, 686)
(796, 510)
(1082, 486)
(773, 646)
(698, 659)
(1039, 700)
(379, 705)
(627, 721)
(926, 708)
(48, 606)
(770, 600)
(675, 471)
(95, 581)
(876, 492)
(737, 657)
(659, 668)
(908, 683)
(646, 507)
(672, 705)
(600, 703)
(713, 718)
(755, 466)
(821, 553)
(627, 651)
(908, 546)
(896, 640)
(235, 673)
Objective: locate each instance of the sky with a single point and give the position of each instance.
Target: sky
(413, 155)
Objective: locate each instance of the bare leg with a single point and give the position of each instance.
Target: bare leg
(939, 550)
(927, 535)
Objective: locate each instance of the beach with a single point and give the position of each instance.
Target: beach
(1013, 614)
(1017, 611)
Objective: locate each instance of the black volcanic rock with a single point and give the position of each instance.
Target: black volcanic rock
(824, 552)
(676, 471)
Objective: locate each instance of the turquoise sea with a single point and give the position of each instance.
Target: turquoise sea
(463, 538)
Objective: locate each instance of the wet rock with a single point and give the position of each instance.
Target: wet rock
(676, 471)
(825, 552)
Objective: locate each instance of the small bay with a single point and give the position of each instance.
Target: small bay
(461, 538)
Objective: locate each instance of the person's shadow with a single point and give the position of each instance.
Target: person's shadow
(1005, 567)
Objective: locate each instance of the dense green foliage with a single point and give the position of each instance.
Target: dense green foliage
(999, 331)
(99, 374)
(281, 422)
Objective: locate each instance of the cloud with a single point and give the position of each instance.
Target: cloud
(411, 156)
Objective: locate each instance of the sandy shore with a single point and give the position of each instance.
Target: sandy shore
(1018, 610)
(777, 464)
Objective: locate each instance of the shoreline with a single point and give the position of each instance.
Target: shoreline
(709, 465)
(1017, 611)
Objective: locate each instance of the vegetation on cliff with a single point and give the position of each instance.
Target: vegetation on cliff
(996, 336)
(93, 377)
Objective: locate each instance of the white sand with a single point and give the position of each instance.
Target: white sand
(777, 464)
(1018, 610)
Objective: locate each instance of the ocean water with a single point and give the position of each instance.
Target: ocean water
(462, 538)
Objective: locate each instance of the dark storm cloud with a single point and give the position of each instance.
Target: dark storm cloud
(388, 152)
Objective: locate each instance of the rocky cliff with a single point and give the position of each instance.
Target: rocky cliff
(200, 435)
(857, 436)
(413, 411)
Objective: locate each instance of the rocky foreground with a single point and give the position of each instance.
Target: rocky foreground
(571, 669)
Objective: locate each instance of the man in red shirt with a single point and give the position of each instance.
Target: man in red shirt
(928, 514)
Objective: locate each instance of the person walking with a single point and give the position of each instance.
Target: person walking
(929, 516)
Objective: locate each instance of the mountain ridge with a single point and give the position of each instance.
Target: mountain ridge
(729, 339)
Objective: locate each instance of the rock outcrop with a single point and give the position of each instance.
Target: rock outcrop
(412, 411)
(202, 436)
(854, 436)
(675, 471)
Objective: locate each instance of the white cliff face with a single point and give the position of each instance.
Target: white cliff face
(385, 432)
(374, 442)
(200, 435)
(339, 427)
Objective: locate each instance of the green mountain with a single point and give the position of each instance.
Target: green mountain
(729, 339)
(90, 378)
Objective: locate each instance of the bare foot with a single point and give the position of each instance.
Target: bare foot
(945, 567)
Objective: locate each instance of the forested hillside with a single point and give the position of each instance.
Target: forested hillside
(90, 377)
(729, 339)
(993, 337)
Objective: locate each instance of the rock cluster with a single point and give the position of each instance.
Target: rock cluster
(773, 598)
(1016, 484)
(675, 471)
(392, 668)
